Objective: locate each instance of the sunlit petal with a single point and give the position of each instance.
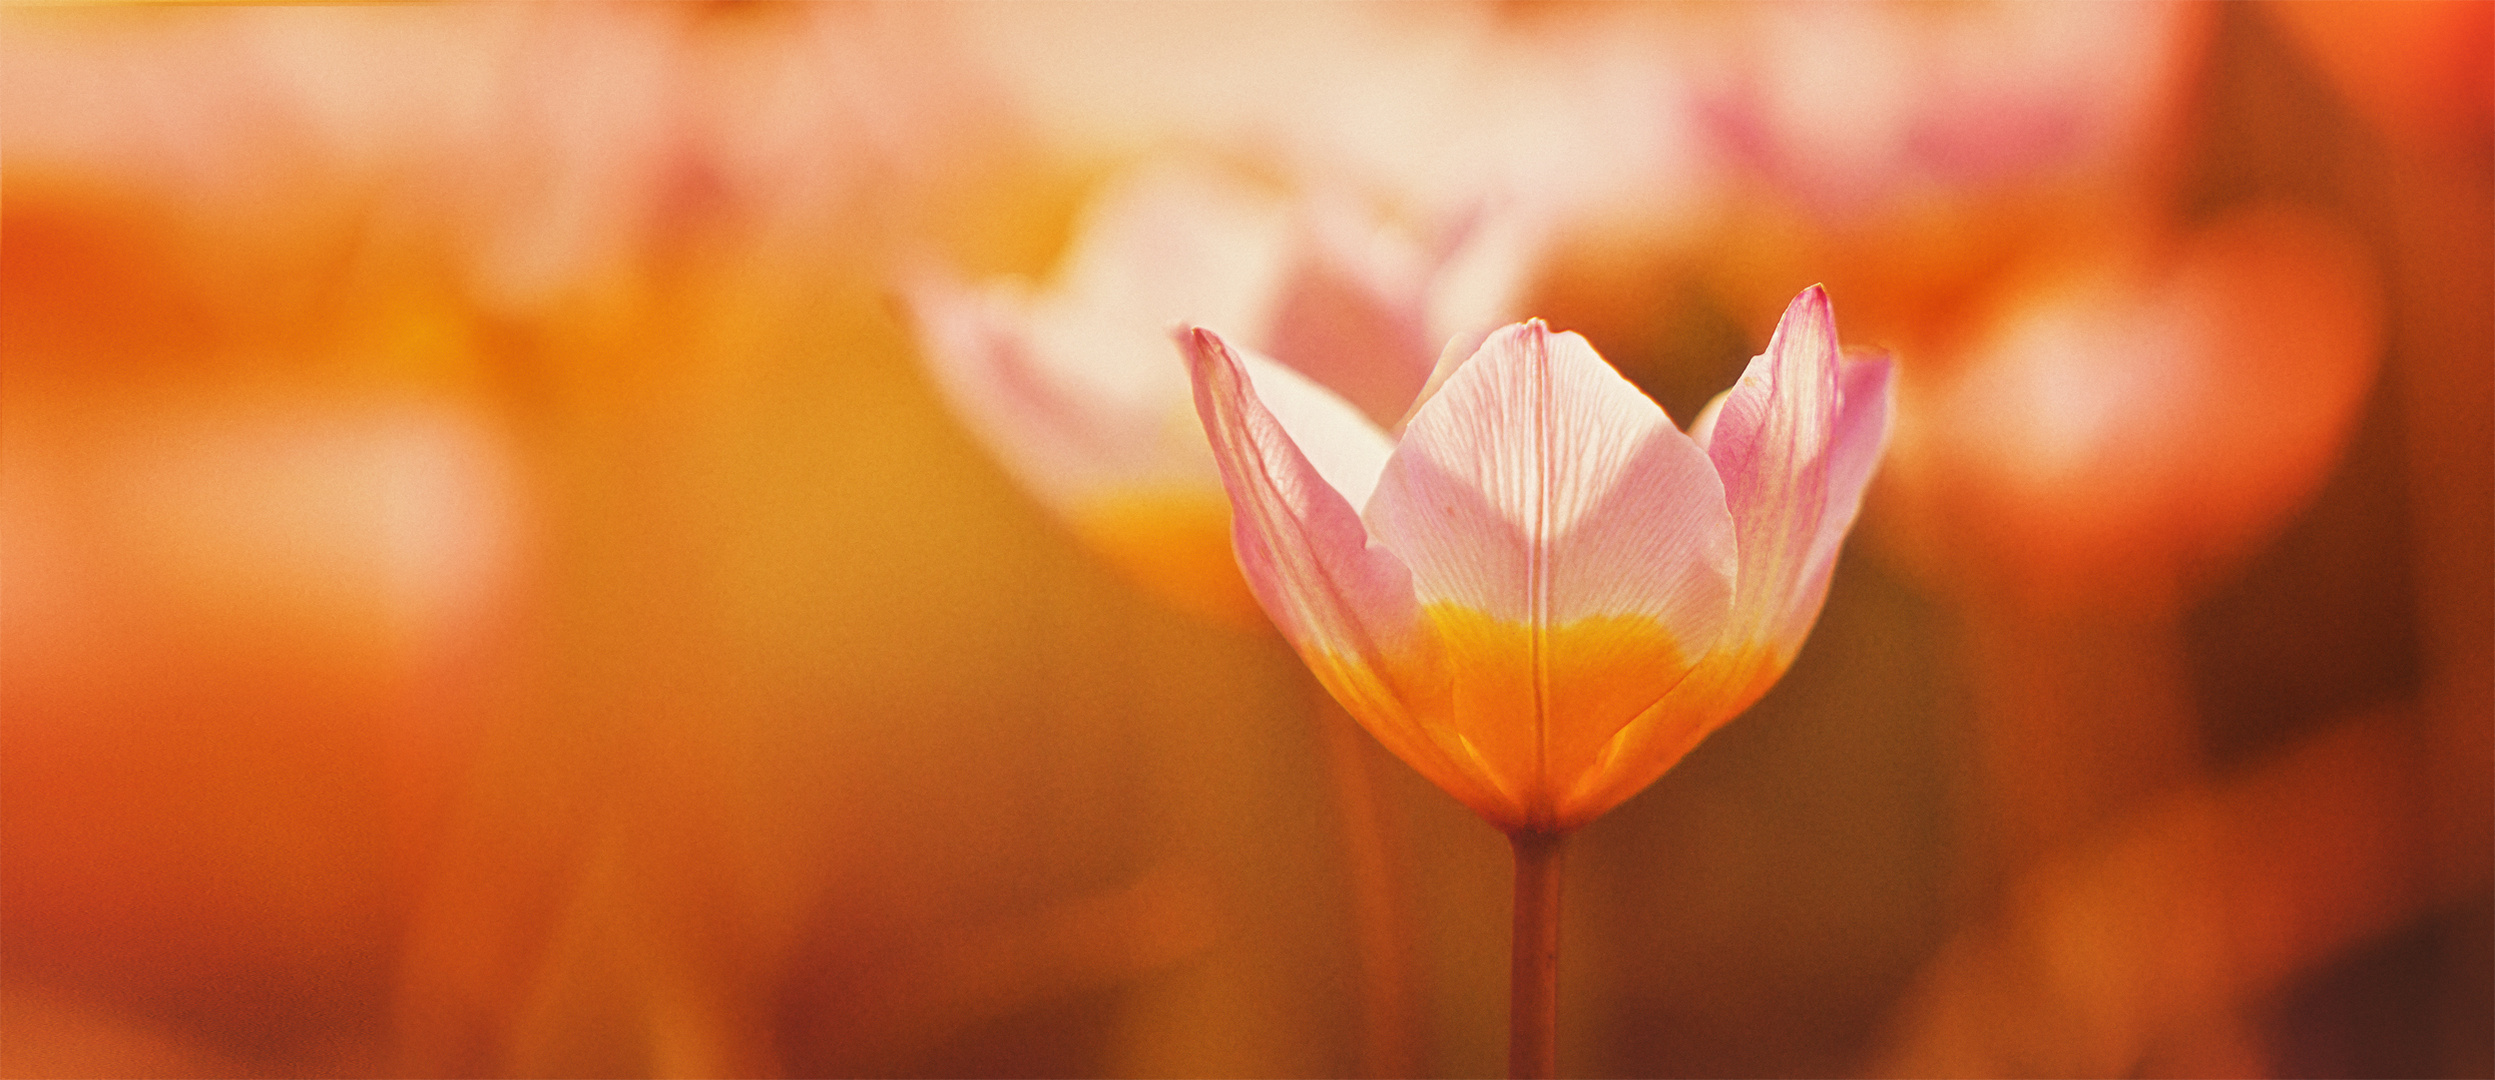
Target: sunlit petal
(1571, 547)
(1347, 450)
(1540, 485)
(1769, 439)
(1864, 410)
(1346, 604)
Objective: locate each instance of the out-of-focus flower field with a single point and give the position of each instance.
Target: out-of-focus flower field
(498, 575)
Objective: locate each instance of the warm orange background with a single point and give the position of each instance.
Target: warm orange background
(486, 588)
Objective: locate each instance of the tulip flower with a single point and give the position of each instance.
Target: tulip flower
(1543, 594)
(1540, 593)
(1072, 387)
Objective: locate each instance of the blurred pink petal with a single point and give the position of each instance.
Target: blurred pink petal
(557, 150)
(1562, 114)
(1074, 386)
(1849, 107)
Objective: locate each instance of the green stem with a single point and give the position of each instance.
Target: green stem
(1533, 995)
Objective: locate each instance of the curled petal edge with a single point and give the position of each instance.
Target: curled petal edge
(1343, 602)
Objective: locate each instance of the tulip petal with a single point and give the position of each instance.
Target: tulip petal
(1864, 408)
(1459, 350)
(1571, 547)
(1350, 314)
(1367, 304)
(1538, 483)
(1346, 604)
(1790, 443)
(1175, 244)
(1729, 680)
(1769, 437)
(1339, 441)
(1061, 442)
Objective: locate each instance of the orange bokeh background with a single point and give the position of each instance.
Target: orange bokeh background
(488, 587)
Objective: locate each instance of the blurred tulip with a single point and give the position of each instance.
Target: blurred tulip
(2132, 422)
(1860, 106)
(1076, 392)
(275, 691)
(562, 155)
(1907, 154)
(1565, 111)
(2123, 426)
(1543, 594)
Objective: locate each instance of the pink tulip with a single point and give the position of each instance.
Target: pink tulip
(1855, 109)
(1072, 386)
(1542, 594)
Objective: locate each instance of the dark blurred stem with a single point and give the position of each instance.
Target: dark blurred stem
(1379, 910)
(1533, 995)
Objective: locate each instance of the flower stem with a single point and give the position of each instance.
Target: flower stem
(1533, 995)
